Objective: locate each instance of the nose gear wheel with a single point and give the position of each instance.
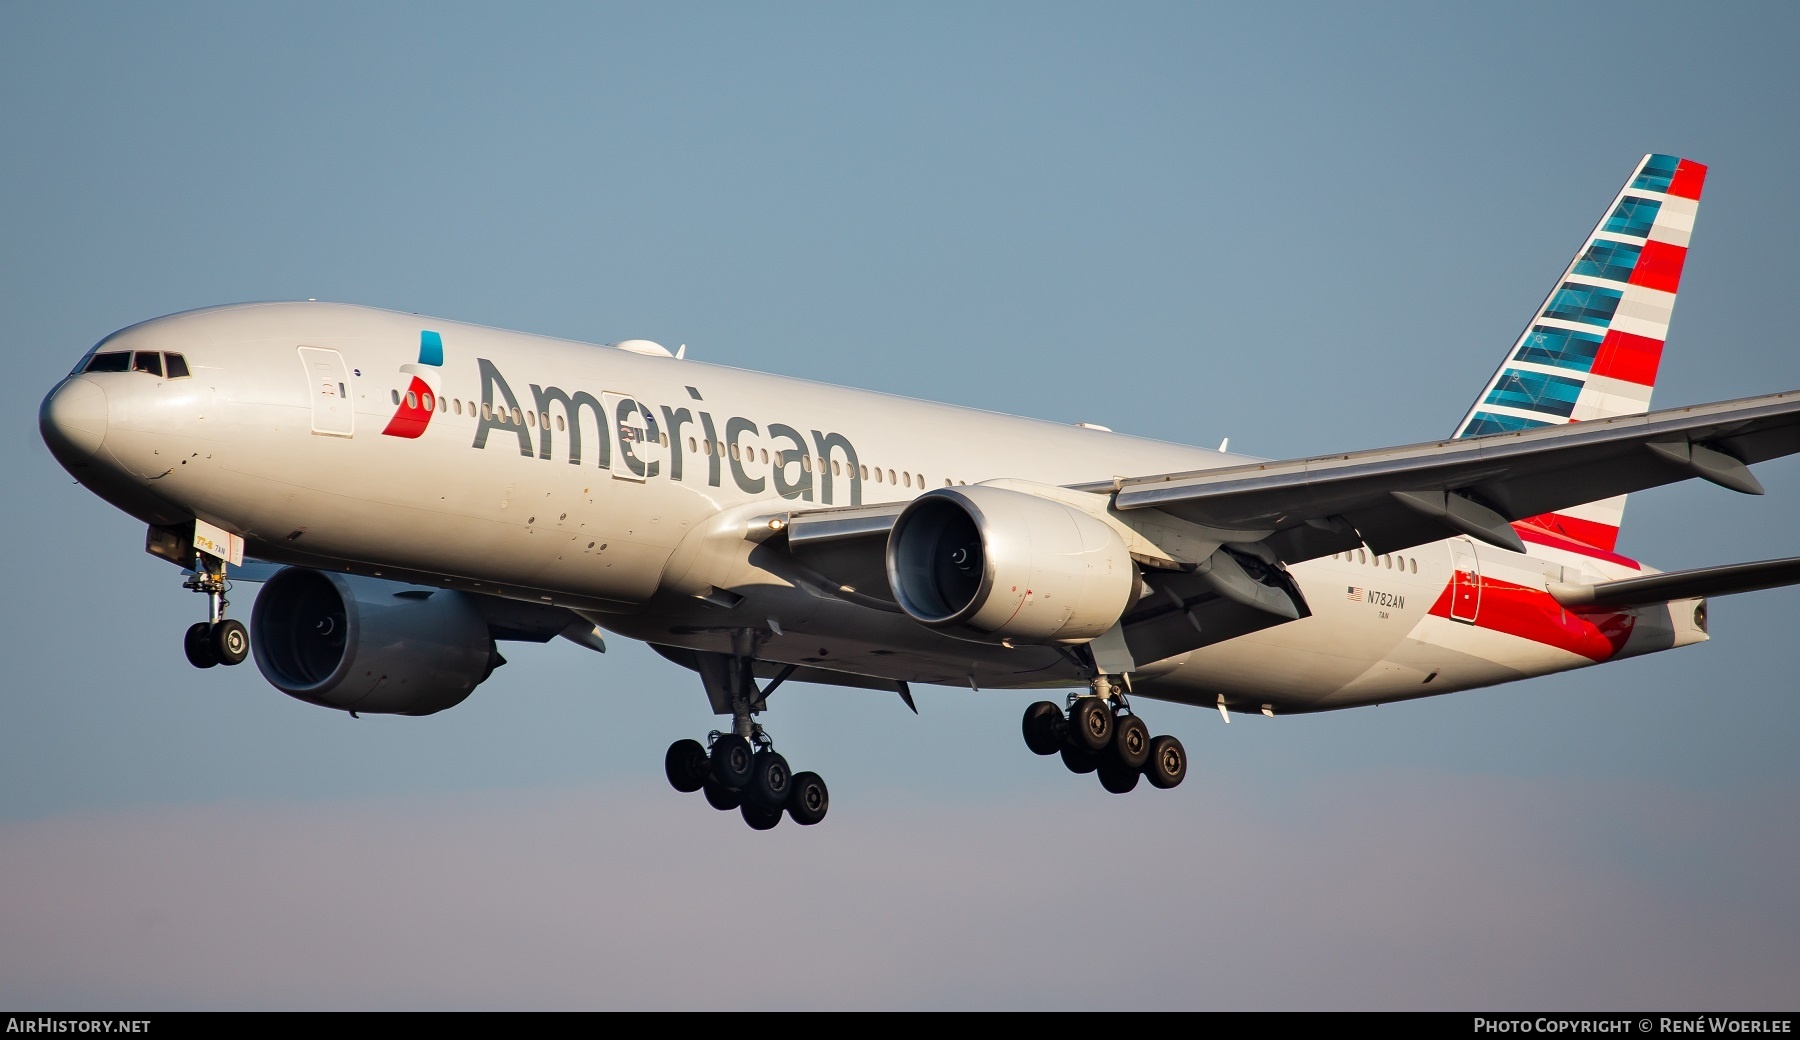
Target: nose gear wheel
(217, 640)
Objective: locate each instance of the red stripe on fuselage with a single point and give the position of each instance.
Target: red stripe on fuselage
(410, 421)
(1532, 533)
(1528, 613)
(1590, 532)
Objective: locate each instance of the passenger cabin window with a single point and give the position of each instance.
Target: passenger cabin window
(177, 366)
(147, 361)
(111, 361)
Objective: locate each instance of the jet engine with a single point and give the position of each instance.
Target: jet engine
(998, 565)
(368, 645)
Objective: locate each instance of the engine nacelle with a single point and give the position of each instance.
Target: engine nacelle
(994, 564)
(368, 645)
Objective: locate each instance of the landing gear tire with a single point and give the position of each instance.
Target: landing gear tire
(1044, 724)
(720, 797)
(731, 761)
(1130, 743)
(770, 782)
(197, 644)
(1079, 760)
(686, 766)
(230, 641)
(808, 799)
(1167, 765)
(760, 818)
(1090, 724)
(1116, 776)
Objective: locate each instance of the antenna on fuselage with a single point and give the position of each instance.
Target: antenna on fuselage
(1224, 444)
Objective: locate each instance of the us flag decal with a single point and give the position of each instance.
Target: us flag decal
(1355, 594)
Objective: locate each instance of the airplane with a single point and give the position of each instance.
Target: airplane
(412, 490)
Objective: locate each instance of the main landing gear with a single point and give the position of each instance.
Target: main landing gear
(217, 640)
(749, 775)
(741, 769)
(1099, 734)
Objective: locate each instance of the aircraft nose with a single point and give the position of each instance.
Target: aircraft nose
(73, 420)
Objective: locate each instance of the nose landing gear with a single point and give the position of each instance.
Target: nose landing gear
(217, 640)
(1100, 734)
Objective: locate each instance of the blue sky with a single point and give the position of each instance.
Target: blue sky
(1303, 227)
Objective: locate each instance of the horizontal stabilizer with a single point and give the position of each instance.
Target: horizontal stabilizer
(1660, 588)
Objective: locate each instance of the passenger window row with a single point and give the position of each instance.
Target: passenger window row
(1409, 564)
(151, 362)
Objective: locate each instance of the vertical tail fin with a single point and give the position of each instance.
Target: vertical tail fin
(1592, 350)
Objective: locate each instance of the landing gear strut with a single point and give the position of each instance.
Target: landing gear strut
(741, 769)
(1100, 734)
(218, 639)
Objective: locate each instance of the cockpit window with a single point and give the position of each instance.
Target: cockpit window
(177, 366)
(147, 361)
(111, 361)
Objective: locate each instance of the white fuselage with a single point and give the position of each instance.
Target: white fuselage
(257, 441)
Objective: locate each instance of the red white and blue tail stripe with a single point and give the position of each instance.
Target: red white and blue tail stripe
(1592, 350)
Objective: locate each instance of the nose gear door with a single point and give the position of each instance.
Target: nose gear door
(328, 386)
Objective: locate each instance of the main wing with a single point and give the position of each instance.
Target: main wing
(1393, 498)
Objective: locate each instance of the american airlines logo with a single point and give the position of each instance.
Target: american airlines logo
(413, 410)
